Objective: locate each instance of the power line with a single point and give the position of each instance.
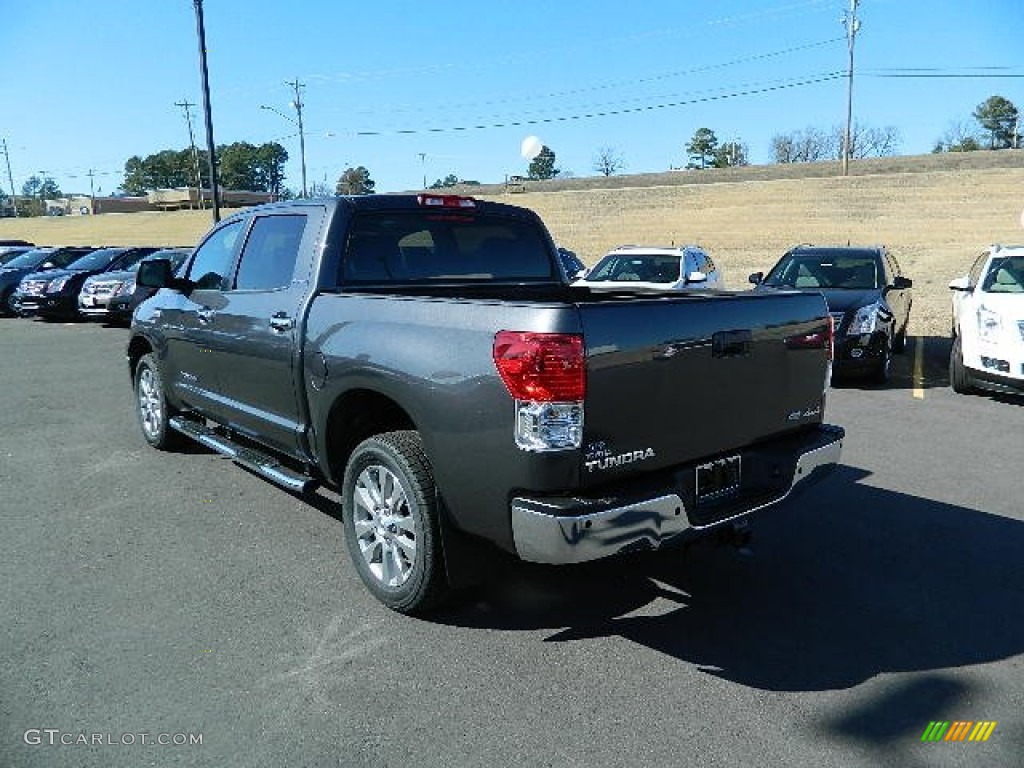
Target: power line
(614, 84)
(827, 77)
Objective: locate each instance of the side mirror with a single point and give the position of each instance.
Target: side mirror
(901, 283)
(154, 273)
(960, 284)
(696, 277)
(756, 278)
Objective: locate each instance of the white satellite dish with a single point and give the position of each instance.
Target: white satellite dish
(531, 147)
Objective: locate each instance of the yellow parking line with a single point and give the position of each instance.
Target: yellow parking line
(919, 368)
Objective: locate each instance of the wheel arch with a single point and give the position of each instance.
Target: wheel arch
(354, 416)
(137, 348)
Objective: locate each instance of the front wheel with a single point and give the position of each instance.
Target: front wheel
(7, 305)
(959, 379)
(899, 343)
(390, 516)
(883, 371)
(151, 405)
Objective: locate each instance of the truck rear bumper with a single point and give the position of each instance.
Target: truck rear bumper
(562, 530)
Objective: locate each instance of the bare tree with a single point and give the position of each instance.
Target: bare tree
(608, 162)
(807, 146)
(960, 136)
(867, 141)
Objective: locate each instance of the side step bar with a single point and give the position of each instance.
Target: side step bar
(261, 463)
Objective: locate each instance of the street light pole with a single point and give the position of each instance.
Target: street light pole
(205, 76)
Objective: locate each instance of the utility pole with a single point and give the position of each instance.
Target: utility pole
(10, 178)
(205, 77)
(423, 163)
(302, 135)
(92, 192)
(852, 24)
(187, 105)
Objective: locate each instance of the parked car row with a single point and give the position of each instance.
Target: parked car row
(73, 282)
(868, 296)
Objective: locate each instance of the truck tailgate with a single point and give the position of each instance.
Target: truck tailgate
(673, 379)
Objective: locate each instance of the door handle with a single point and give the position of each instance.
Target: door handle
(205, 315)
(280, 322)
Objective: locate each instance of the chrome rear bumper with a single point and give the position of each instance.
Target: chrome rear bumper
(574, 530)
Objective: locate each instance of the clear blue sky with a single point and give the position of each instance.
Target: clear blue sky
(86, 85)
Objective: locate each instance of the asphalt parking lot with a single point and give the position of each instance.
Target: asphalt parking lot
(176, 596)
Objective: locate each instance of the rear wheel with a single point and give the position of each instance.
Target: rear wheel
(959, 378)
(390, 516)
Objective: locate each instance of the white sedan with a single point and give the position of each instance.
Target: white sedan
(988, 323)
(674, 268)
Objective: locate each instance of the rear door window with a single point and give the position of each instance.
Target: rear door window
(268, 259)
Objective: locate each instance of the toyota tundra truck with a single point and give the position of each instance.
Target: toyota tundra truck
(426, 357)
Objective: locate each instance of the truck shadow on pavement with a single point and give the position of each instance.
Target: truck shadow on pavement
(840, 586)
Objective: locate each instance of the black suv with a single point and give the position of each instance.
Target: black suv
(868, 297)
(54, 294)
(38, 260)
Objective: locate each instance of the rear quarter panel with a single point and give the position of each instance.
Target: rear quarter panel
(433, 358)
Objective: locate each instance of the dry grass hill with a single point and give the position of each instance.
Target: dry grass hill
(934, 212)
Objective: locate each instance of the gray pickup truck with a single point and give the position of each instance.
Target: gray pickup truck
(426, 356)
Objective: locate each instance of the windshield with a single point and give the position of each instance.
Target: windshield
(10, 255)
(29, 260)
(96, 260)
(809, 269)
(633, 268)
(1005, 276)
(175, 255)
(134, 258)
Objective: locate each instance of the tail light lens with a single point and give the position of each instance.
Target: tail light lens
(546, 375)
(541, 367)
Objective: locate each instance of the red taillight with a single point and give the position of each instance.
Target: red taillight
(446, 201)
(541, 367)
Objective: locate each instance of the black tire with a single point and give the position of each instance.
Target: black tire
(151, 406)
(6, 308)
(390, 516)
(959, 378)
(883, 371)
(899, 343)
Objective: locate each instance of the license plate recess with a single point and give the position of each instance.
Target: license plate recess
(718, 478)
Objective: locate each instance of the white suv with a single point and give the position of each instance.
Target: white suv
(673, 268)
(988, 323)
